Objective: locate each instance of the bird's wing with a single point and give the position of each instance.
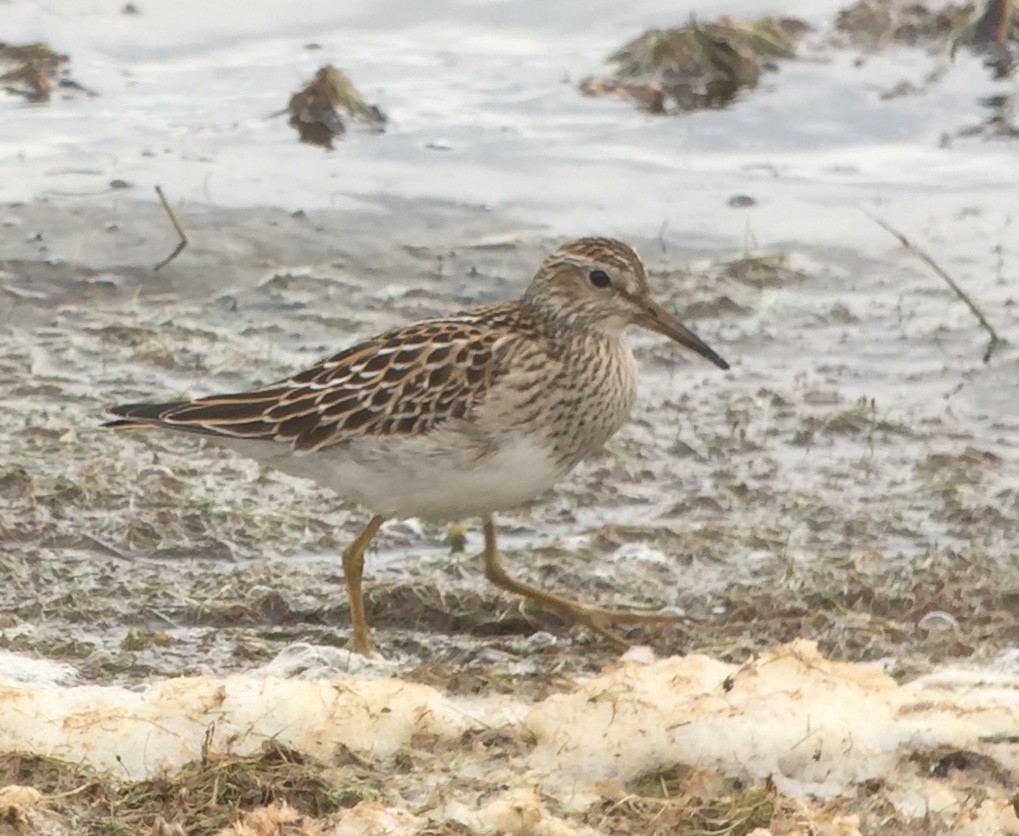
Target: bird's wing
(403, 382)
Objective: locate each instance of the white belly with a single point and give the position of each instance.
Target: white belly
(414, 477)
(518, 442)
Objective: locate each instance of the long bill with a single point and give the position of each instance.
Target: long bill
(656, 318)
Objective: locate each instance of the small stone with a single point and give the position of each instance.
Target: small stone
(741, 201)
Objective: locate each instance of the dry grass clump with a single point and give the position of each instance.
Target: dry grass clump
(201, 798)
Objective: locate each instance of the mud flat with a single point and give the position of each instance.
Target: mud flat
(837, 515)
(800, 496)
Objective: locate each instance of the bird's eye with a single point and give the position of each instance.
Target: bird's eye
(599, 278)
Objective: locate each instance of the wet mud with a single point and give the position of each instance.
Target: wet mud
(765, 504)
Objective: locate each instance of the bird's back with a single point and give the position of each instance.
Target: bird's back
(448, 417)
(400, 383)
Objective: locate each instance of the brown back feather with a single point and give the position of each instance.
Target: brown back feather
(405, 381)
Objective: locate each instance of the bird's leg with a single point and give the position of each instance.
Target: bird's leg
(594, 618)
(353, 568)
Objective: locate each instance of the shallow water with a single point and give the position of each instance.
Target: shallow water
(187, 89)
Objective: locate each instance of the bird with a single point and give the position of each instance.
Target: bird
(458, 416)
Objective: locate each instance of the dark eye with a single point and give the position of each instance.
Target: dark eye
(599, 278)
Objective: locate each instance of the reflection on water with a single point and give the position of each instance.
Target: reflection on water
(484, 110)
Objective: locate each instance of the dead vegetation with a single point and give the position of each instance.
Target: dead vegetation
(635, 815)
(990, 27)
(704, 65)
(200, 799)
(762, 270)
(697, 66)
(315, 109)
(861, 419)
(685, 801)
(30, 70)
(874, 24)
(993, 339)
(33, 71)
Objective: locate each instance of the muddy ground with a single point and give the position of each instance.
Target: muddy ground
(850, 480)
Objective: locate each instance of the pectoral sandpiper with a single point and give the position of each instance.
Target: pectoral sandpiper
(457, 416)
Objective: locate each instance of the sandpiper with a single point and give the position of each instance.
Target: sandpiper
(458, 416)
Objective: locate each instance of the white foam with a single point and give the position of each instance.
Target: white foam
(815, 728)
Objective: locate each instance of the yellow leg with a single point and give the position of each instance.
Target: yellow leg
(353, 569)
(594, 618)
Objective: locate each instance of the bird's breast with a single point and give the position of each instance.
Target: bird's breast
(591, 399)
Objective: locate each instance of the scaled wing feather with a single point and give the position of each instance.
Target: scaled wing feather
(402, 382)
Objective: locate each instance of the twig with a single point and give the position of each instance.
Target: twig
(923, 256)
(106, 547)
(88, 785)
(176, 225)
(160, 614)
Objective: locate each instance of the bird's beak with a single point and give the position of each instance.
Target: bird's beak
(655, 318)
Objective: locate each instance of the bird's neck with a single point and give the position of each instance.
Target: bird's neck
(552, 319)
